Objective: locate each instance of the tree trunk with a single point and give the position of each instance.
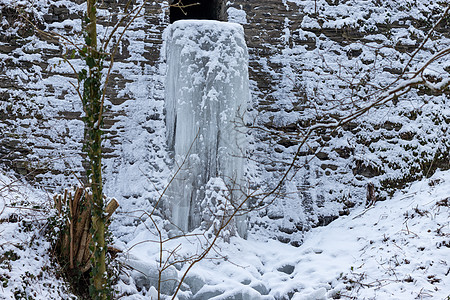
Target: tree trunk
(93, 121)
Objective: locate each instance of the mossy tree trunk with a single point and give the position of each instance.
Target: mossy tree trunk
(93, 119)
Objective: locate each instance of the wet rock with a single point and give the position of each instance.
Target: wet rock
(206, 295)
(322, 156)
(288, 269)
(195, 283)
(325, 220)
(261, 288)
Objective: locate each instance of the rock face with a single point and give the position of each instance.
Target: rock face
(41, 114)
(309, 62)
(314, 61)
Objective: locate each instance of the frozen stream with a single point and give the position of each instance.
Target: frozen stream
(207, 91)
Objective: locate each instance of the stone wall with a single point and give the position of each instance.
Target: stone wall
(308, 66)
(41, 112)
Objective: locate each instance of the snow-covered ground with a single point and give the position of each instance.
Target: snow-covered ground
(27, 269)
(397, 249)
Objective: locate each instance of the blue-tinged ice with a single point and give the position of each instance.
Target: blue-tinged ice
(207, 90)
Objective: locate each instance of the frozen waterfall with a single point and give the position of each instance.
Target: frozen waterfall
(207, 91)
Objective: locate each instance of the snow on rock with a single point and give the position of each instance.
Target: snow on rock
(27, 270)
(215, 208)
(397, 249)
(146, 275)
(207, 91)
(313, 61)
(237, 15)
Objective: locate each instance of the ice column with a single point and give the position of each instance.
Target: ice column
(207, 91)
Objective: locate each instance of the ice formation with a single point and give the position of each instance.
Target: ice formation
(207, 90)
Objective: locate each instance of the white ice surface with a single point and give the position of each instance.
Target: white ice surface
(207, 91)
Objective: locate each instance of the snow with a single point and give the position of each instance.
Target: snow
(147, 275)
(27, 269)
(319, 73)
(237, 15)
(396, 249)
(206, 97)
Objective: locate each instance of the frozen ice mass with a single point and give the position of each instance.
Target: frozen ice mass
(207, 90)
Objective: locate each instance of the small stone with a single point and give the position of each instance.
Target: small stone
(195, 283)
(261, 288)
(288, 269)
(207, 295)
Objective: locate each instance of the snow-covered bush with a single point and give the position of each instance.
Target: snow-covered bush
(218, 211)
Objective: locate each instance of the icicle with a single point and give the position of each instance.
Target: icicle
(207, 91)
